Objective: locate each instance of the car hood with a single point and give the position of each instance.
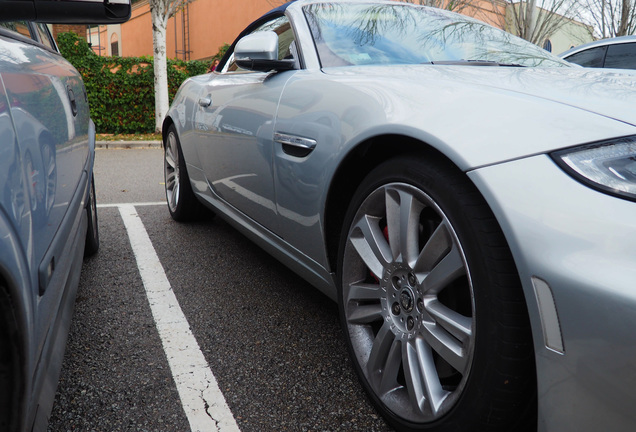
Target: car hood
(609, 93)
(483, 115)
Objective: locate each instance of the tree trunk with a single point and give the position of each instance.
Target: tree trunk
(623, 26)
(159, 26)
(530, 20)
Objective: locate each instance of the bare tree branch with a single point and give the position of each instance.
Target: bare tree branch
(610, 18)
(538, 20)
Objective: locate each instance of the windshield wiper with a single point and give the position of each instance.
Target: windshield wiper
(473, 63)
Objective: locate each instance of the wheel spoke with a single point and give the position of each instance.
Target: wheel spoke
(369, 241)
(171, 163)
(391, 370)
(449, 348)
(170, 153)
(383, 360)
(174, 197)
(365, 314)
(437, 246)
(171, 179)
(422, 380)
(456, 324)
(402, 214)
(362, 291)
(445, 272)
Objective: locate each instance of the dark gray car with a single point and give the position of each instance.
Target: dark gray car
(614, 53)
(48, 218)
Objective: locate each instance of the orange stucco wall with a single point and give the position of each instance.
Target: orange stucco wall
(136, 34)
(213, 23)
(488, 11)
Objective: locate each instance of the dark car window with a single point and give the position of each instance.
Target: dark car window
(286, 46)
(621, 56)
(21, 27)
(592, 57)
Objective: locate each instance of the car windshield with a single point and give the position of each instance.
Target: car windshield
(361, 34)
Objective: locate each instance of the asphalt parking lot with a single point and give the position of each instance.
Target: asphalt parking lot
(272, 342)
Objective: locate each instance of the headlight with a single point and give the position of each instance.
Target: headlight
(607, 166)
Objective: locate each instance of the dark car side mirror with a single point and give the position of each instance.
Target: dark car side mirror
(66, 11)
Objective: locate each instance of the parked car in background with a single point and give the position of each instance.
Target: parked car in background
(615, 53)
(466, 197)
(48, 215)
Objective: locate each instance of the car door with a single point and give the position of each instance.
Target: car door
(234, 122)
(49, 110)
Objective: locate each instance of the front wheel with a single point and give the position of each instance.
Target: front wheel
(431, 304)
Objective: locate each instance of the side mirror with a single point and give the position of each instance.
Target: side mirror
(66, 11)
(259, 52)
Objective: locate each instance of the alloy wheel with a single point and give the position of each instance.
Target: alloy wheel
(171, 171)
(408, 302)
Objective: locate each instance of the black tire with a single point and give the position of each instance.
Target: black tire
(182, 203)
(10, 372)
(91, 245)
(440, 340)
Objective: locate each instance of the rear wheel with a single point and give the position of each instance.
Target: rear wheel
(92, 232)
(10, 378)
(182, 203)
(431, 303)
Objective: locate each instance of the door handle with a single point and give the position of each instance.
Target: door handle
(71, 98)
(294, 145)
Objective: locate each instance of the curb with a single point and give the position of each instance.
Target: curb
(127, 144)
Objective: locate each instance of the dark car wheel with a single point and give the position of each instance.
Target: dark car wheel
(10, 371)
(182, 203)
(431, 303)
(92, 233)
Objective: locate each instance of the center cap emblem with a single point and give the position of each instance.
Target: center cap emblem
(406, 301)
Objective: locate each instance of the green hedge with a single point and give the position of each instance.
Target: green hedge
(121, 89)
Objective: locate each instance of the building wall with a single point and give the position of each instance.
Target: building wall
(489, 11)
(101, 37)
(212, 23)
(570, 35)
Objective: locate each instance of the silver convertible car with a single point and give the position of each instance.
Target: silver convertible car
(467, 198)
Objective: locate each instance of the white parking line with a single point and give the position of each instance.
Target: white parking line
(200, 395)
(137, 204)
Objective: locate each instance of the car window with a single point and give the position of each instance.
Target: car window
(21, 27)
(621, 56)
(364, 34)
(592, 57)
(44, 35)
(286, 44)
